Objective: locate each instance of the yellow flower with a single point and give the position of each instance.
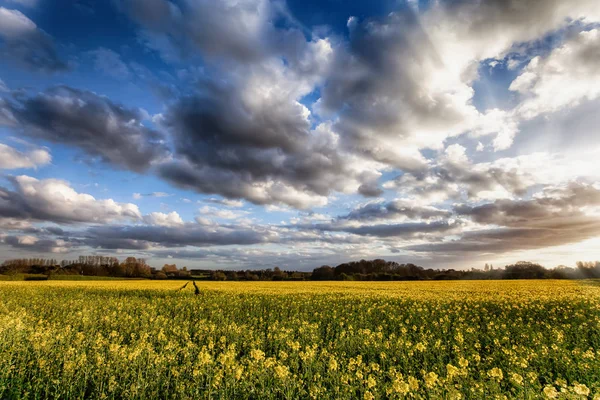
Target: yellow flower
(496, 373)
(371, 382)
(282, 371)
(452, 371)
(431, 379)
(413, 383)
(257, 355)
(333, 365)
(516, 378)
(401, 387)
(581, 389)
(550, 392)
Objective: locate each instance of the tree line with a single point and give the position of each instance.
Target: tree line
(363, 270)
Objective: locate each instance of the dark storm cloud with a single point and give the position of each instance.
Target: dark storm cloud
(139, 236)
(261, 152)
(22, 41)
(92, 123)
(241, 131)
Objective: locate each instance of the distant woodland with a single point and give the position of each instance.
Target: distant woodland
(363, 270)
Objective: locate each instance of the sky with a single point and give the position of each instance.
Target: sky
(242, 134)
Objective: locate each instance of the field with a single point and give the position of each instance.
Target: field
(279, 340)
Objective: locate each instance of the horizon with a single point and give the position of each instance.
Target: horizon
(224, 135)
(148, 262)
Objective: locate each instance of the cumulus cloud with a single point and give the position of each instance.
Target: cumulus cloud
(11, 158)
(93, 123)
(21, 40)
(455, 176)
(162, 219)
(573, 70)
(404, 82)
(55, 200)
(243, 133)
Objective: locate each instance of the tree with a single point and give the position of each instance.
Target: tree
(323, 273)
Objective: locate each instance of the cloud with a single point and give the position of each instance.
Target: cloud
(21, 40)
(242, 31)
(13, 223)
(405, 82)
(153, 194)
(171, 219)
(243, 132)
(55, 200)
(192, 234)
(571, 69)
(262, 156)
(35, 244)
(220, 213)
(225, 202)
(252, 139)
(402, 209)
(398, 230)
(11, 158)
(555, 216)
(91, 123)
(455, 176)
(109, 62)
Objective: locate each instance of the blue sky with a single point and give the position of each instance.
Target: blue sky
(255, 133)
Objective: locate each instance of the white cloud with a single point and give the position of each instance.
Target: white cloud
(220, 213)
(55, 200)
(11, 158)
(157, 218)
(14, 24)
(563, 79)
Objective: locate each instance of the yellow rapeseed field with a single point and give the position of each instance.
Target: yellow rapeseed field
(288, 340)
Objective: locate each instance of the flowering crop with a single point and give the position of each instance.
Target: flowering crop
(288, 340)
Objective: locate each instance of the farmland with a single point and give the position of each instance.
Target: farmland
(286, 340)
